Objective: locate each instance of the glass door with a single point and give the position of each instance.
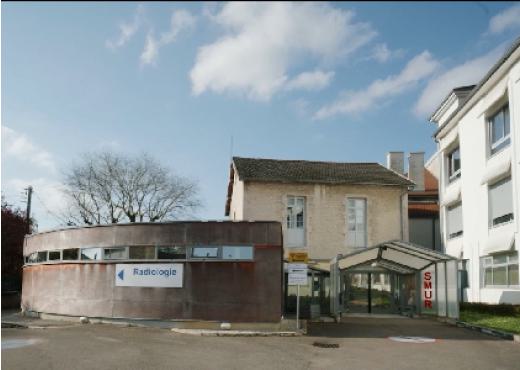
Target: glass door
(381, 297)
(357, 291)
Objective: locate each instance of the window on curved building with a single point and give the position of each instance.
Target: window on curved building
(171, 253)
(141, 252)
(41, 257)
(54, 255)
(71, 254)
(204, 252)
(244, 252)
(32, 258)
(116, 253)
(91, 254)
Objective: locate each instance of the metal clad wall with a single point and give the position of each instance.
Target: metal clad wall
(223, 291)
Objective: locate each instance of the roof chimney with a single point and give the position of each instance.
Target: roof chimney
(416, 170)
(395, 161)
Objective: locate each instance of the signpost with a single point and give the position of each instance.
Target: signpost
(163, 275)
(297, 276)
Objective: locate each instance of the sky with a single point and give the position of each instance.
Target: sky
(194, 83)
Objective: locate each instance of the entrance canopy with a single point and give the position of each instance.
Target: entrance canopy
(398, 256)
(431, 278)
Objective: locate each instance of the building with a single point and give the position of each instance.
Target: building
(478, 139)
(325, 208)
(423, 198)
(222, 271)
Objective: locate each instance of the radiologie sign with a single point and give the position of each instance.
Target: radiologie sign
(163, 275)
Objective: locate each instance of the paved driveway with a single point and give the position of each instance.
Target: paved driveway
(363, 344)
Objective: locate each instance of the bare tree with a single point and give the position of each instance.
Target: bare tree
(106, 187)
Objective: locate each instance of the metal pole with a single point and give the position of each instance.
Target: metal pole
(298, 307)
(28, 211)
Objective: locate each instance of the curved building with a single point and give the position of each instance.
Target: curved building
(224, 271)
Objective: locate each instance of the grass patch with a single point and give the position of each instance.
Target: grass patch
(509, 323)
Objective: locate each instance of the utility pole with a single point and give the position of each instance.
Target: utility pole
(28, 211)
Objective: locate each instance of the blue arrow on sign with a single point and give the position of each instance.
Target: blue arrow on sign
(121, 274)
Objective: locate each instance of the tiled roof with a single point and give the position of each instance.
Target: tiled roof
(297, 171)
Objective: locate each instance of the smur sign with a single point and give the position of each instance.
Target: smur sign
(427, 285)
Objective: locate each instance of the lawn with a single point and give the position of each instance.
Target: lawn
(509, 323)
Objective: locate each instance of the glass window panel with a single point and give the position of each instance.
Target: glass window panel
(33, 258)
(204, 252)
(118, 253)
(70, 254)
(237, 252)
(513, 274)
(513, 258)
(41, 257)
(507, 128)
(501, 258)
(356, 222)
(54, 255)
(499, 276)
(488, 276)
(91, 253)
(171, 253)
(141, 252)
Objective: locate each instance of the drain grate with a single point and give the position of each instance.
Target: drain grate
(325, 345)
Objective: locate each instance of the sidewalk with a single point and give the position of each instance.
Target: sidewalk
(14, 319)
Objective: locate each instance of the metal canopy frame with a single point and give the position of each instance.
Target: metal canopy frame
(404, 258)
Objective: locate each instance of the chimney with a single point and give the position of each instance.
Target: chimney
(416, 170)
(395, 161)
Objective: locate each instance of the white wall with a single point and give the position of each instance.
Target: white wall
(475, 162)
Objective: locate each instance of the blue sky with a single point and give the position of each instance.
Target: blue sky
(339, 81)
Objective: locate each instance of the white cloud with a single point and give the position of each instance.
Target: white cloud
(127, 30)
(467, 73)
(417, 69)
(315, 80)
(507, 19)
(263, 40)
(19, 146)
(180, 20)
(383, 54)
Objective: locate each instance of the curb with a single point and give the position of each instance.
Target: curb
(494, 332)
(235, 333)
(15, 325)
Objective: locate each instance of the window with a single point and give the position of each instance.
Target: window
(500, 269)
(454, 220)
(141, 252)
(171, 253)
(33, 258)
(356, 220)
(499, 130)
(91, 253)
(463, 273)
(500, 202)
(41, 257)
(454, 164)
(295, 212)
(295, 218)
(70, 254)
(204, 252)
(237, 252)
(117, 253)
(54, 255)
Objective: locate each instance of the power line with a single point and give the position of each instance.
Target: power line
(58, 218)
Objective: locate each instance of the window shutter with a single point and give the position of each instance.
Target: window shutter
(455, 219)
(500, 199)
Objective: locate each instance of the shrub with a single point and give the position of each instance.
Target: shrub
(501, 309)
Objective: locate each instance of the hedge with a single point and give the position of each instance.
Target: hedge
(494, 309)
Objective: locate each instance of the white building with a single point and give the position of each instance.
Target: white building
(478, 140)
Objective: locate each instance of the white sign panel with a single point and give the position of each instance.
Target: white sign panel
(164, 275)
(297, 274)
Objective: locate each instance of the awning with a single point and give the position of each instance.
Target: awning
(451, 138)
(452, 194)
(399, 256)
(497, 170)
(454, 247)
(500, 240)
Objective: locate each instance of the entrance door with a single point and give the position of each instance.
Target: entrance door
(369, 292)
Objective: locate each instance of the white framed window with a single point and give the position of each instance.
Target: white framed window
(499, 130)
(295, 221)
(454, 170)
(454, 220)
(356, 222)
(500, 197)
(500, 270)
